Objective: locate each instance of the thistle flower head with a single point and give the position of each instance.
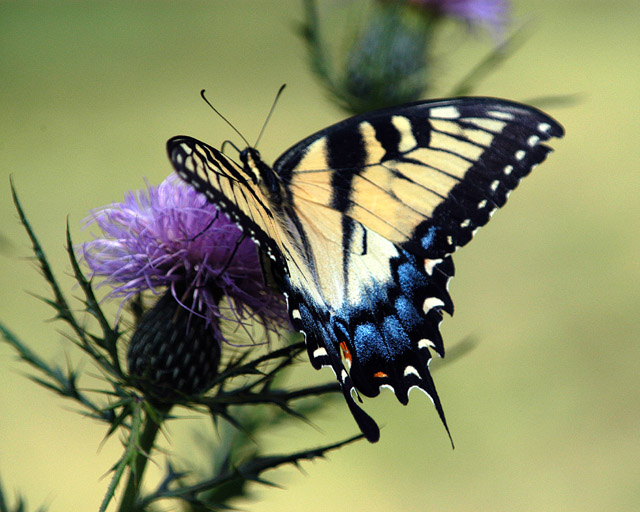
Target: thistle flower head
(491, 13)
(169, 236)
(170, 240)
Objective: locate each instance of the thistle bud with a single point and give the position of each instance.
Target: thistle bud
(173, 352)
(387, 63)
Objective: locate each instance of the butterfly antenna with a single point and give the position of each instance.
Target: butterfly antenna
(273, 106)
(224, 143)
(223, 118)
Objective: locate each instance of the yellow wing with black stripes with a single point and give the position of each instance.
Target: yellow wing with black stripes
(362, 218)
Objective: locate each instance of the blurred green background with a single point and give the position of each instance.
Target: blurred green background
(545, 412)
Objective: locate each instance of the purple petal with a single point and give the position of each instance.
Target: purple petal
(170, 236)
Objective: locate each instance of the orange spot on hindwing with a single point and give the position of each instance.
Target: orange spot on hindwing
(346, 353)
(380, 375)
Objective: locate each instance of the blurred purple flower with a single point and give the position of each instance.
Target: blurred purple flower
(492, 13)
(170, 236)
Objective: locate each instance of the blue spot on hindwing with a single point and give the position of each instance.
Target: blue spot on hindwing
(393, 330)
(368, 342)
(427, 239)
(407, 313)
(410, 278)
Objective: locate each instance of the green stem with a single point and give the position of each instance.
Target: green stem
(152, 425)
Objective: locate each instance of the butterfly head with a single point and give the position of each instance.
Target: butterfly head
(252, 163)
(258, 171)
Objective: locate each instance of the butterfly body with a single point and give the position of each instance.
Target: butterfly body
(362, 218)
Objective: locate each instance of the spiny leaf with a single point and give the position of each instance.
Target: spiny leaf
(251, 367)
(110, 336)
(61, 305)
(250, 470)
(20, 506)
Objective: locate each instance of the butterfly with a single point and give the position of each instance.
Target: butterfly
(361, 220)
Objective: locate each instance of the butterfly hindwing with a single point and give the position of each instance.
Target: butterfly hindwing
(383, 321)
(363, 217)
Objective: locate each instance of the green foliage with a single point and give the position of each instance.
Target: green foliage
(19, 506)
(249, 396)
(388, 57)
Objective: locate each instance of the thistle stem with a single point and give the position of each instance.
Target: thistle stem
(151, 427)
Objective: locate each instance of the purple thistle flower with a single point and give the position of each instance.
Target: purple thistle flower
(492, 13)
(170, 236)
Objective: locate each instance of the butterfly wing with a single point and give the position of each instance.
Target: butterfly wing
(400, 189)
(226, 184)
(370, 211)
(291, 245)
(445, 165)
(372, 318)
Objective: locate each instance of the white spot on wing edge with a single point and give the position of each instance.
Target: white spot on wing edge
(430, 264)
(425, 343)
(295, 314)
(533, 140)
(447, 283)
(488, 124)
(544, 127)
(410, 370)
(320, 352)
(424, 391)
(387, 386)
(500, 115)
(430, 303)
(520, 154)
(449, 112)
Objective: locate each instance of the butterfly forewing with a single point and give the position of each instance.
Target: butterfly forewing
(368, 214)
(454, 161)
(226, 185)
